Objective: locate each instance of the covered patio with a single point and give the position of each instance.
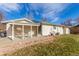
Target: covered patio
(22, 30)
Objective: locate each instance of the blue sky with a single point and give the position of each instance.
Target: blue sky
(54, 13)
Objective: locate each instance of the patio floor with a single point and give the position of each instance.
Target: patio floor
(7, 45)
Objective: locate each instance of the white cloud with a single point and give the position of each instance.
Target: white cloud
(73, 21)
(49, 10)
(55, 19)
(37, 13)
(9, 6)
(53, 9)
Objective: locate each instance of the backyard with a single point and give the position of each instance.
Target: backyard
(64, 45)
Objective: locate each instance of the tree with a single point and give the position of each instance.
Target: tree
(1, 17)
(77, 20)
(67, 22)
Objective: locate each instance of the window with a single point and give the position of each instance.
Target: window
(54, 27)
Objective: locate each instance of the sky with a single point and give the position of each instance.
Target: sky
(54, 13)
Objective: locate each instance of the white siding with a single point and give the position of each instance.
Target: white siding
(46, 29)
(54, 30)
(60, 30)
(67, 31)
(9, 30)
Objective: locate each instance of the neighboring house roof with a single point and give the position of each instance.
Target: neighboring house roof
(75, 25)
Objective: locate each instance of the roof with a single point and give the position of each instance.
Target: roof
(13, 20)
(46, 23)
(21, 19)
(75, 25)
(32, 22)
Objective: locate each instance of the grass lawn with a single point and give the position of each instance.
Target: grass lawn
(64, 45)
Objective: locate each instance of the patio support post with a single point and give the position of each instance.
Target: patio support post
(12, 31)
(31, 31)
(7, 30)
(22, 31)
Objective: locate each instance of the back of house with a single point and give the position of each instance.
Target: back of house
(27, 27)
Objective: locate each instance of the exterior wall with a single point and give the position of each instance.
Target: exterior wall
(67, 31)
(60, 30)
(48, 29)
(54, 30)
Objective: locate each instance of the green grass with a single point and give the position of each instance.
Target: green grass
(65, 45)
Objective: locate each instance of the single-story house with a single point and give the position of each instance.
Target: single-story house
(24, 27)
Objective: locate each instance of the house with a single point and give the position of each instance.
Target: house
(23, 28)
(74, 29)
